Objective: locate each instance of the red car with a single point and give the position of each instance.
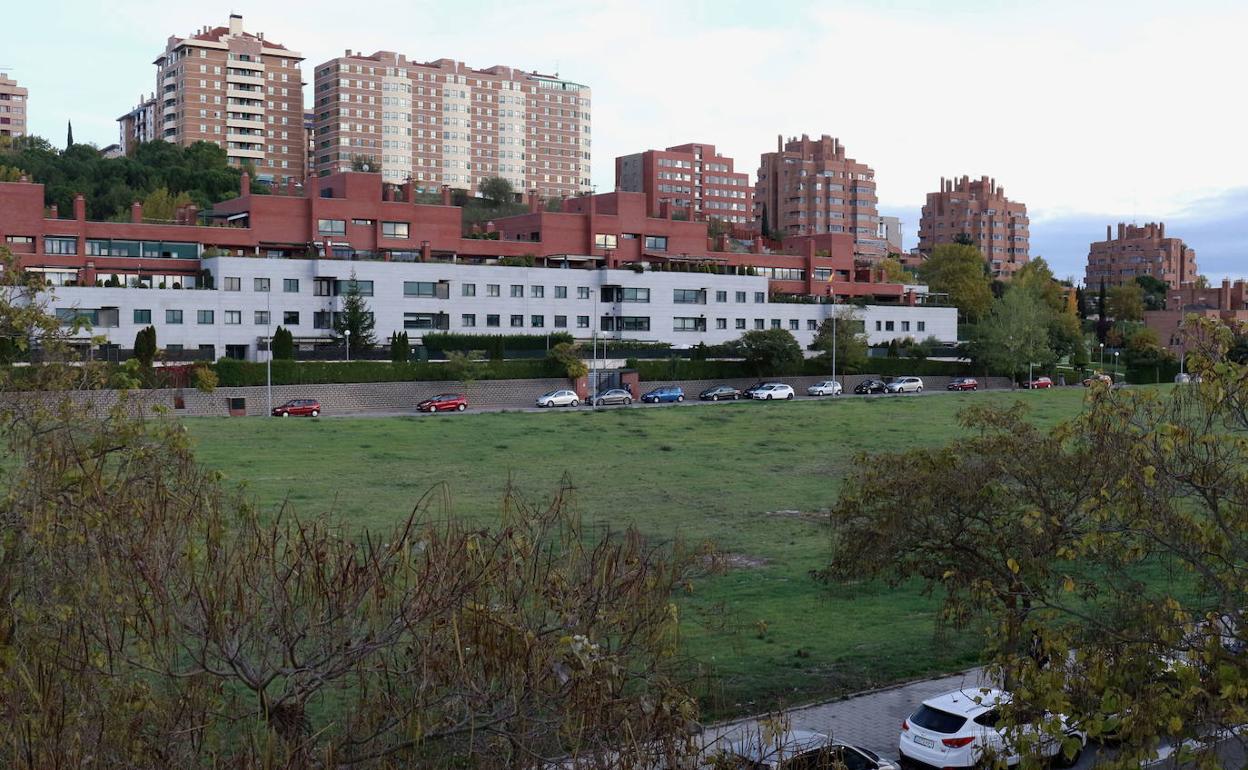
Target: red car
(1039, 382)
(444, 402)
(299, 407)
(963, 383)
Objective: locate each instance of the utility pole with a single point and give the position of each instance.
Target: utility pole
(268, 328)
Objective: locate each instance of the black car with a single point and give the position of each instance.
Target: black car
(720, 393)
(871, 386)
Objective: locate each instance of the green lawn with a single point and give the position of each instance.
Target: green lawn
(731, 473)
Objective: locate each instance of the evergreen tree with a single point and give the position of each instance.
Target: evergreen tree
(355, 318)
(69, 135)
(145, 345)
(400, 347)
(283, 344)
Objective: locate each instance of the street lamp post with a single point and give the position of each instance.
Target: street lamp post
(834, 346)
(268, 366)
(1116, 352)
(1102, 356)
(347, 333)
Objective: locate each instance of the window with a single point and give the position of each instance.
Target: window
(760, 296)
(290, 285)
(605, 241)
(468, 290)
(740, 323)
(260, 284)
(331, 226)
(561, 292)
(322, 319)
(794, 324)
(173, 317)
(688, 296)
(420, 289)
(537, 291)
(232, 284)
(290, 317)
(775, 323)
(888, 326)
(344, 287)
(517, 321)
(142, 316)
(205, 317)
(491, 290)
(394, 229)
(582, 322)
(468, 319)
(740, 296)
(721, 296)
(582, 292)
(424, 321)
(537, 321)
(879, 326)
(363, 222)
(491, 320)
(626, 323)
(262, 318)
(759, 323)
(656, 242)
(233, 317)
(624, 294)
(60, 245)
(812, 325)
(561, 322)
(721, 323)
(688, 324)
(517, 290)
(922, 326)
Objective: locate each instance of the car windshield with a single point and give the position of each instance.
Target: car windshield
(444, 397)
(936, 720)
(551, 394)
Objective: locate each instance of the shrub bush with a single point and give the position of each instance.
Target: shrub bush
(240, 373)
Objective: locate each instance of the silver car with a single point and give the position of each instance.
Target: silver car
(558, 398)
(905, 385)
(825, 388)
(613, 396)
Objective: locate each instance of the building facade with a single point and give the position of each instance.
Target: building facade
(237, 90)
(13, 108)
(138, 125)
(697, 182)
(890, 232)
(978, 209)
(444, 123)
(808, 187)
(1139, 250)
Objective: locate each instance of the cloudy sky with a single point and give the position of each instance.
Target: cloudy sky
(1089, 112)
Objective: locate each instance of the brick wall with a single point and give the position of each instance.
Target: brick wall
(848, 381)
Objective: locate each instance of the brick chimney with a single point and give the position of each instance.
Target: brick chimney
(244, 183)
(535, 202)
(136, 213)
(426, 251)
(446, 194)
(408, 191)
(665, 209)
(53, 212)
(80, 208)
(192, 214)
(1224, 295)
(490, 227)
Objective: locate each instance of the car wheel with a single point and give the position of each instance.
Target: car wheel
(768, 396)
(575, 403)
(462, 407)
(919, 390)
(628, 401)
(285, 414)
(680, 398)
(316, 412)
(789, 397)
(714, 398)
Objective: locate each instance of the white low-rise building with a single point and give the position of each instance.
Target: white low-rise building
(253, 296)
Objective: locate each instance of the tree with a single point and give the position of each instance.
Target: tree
(568, 359)
(355, 317)
(851, 341)
(963, 239)
(283, 344)
(161, 206)
(1015, 333)
(1102, 557)
(1081, 302)
(145, 346)
(1144, 350)
(958, 270)
(1126, 302)
(400, 347)
(1037, 276)
(465, 365)
(365, 163)
(893, 272)
(497, 190)
(765, 225)
(69, 134)
(770, 351)
(1154, 292)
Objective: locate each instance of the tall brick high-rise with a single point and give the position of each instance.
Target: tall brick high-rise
(1136, 251)
(13, 100)
(138, 125)
(444, 123)
(810, 186)
(978, 209)
(238, 90)
(695, 180)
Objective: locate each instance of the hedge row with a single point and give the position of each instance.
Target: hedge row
(681, 369)
(240, 373)
(488, 342)
(1147, 375)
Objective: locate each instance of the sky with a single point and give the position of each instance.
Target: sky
(1091, 113)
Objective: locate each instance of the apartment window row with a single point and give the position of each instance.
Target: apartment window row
(890, 326)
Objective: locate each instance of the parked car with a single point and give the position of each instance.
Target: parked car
(558, 398)
(1098, 377)
(963, 383)
(444, 402)
(959, 729)
(663, 395)
(720, 393)
(798, 749)
(750, 391)
(906, 385)
(774, 390)
(298, 407)
(825, 388)
(1039, 382)
(613, 396)
(871, 386)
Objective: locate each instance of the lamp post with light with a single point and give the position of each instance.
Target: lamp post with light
(347, 334)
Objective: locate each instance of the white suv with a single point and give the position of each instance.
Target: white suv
(773, 390)
(958, 729)
(905, 385)
(825, 388)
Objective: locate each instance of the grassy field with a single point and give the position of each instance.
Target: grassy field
(751, 477)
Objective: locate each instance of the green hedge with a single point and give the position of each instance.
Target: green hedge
(681, 369)
(1147, 375)
(239, 373)
(489, 342)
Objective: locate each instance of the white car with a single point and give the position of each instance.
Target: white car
(959, 729)
(773, 390)
(825, 388)
(558, 398)
(905, 385)
(798, 749)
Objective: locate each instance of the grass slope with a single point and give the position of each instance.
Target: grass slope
(761, 634)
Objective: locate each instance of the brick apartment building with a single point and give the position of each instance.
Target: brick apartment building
(237, 90)
(444, 123)
(138, 125)
(13, 108)
(698, 182)
(978, 209)
(1139, 250)
(811, 186)
(1227, 303)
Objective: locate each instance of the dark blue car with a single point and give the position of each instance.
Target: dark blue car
(663, 395)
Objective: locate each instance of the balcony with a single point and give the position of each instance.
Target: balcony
(255, 124)
(256, 80)
(239, 152)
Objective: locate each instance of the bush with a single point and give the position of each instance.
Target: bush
(568, 360)
(283, 344)
(494, 345)
(240, 373)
